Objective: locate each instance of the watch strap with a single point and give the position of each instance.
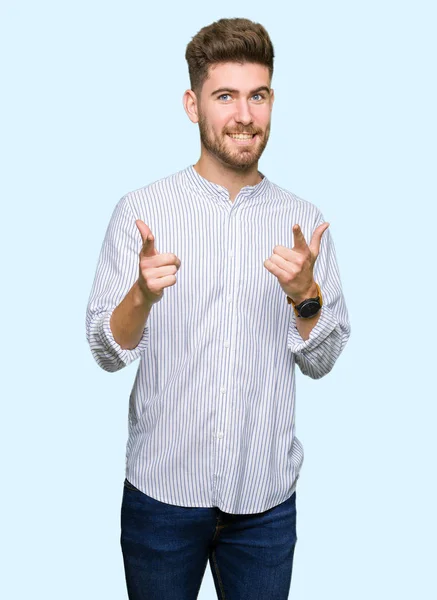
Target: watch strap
(296, 306)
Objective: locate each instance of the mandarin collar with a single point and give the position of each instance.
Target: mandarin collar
(214, 190)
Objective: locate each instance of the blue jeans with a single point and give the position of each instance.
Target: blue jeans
(166, 549)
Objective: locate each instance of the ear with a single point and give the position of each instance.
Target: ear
(272, 95)
(190, 105)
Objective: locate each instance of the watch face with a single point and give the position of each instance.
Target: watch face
(310, 309)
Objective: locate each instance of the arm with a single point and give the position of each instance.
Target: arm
(114, 291)
(305, 326)
(329, 330)
(129, 318)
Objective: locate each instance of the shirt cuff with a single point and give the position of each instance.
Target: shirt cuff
(324, 326)
(107, 340)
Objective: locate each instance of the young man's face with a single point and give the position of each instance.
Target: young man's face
(243, 105)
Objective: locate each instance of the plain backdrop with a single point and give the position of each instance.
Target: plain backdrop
(91, 108)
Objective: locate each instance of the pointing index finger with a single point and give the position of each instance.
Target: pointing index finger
(147, 237)
(148, 248)
(143, 229)
(299, 238)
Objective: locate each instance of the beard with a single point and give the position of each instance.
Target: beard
(237, 157)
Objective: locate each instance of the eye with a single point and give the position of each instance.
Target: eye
(262, 96)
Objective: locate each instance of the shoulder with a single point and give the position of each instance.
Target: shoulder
(156, 191)
(300, 205)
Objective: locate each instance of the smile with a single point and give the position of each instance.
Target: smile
(244, 140)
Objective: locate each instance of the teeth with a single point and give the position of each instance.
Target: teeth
(241, 136)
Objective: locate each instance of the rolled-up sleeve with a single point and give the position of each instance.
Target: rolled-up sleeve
(117, 271)
(317, 355)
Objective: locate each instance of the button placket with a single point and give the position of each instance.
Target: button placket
(227, 335)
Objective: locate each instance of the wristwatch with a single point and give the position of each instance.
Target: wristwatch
(309, 307)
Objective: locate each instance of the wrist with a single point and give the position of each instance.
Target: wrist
(139, 297)
(312, 292)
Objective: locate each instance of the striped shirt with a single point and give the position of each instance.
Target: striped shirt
(211, 418)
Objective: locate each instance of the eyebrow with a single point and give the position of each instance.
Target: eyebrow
(262, 88)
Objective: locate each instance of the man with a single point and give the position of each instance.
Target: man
(220, 281)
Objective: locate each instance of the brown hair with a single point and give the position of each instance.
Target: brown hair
(227, 40)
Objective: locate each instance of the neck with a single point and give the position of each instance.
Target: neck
(232, 179)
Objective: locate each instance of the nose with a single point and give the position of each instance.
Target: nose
(243, 114)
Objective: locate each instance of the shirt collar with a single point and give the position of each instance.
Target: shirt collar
(214, 190)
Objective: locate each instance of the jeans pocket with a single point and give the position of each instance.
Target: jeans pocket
(129, 486)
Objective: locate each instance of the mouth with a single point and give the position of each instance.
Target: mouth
(246, 141)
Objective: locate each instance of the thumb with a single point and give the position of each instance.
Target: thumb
(147, 238)
(317, 237)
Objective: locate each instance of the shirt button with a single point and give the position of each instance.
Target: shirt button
(220, 434)
(229, 298)
(231, 253)
(227, 344)
(223, 390)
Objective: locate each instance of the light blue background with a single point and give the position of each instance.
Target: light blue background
(91, 109)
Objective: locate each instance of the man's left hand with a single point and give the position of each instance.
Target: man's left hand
(294, 266)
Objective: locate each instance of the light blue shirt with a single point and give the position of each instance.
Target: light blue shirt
(212, 409)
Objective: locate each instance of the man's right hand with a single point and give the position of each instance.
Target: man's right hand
(157, 271)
